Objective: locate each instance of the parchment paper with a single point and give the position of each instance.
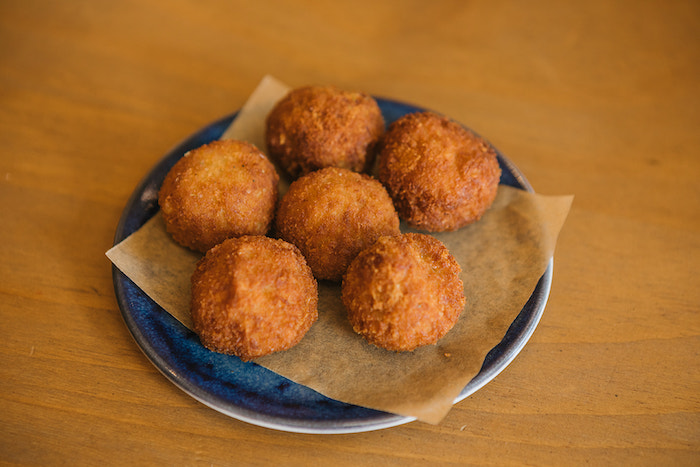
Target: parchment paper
(502, 257)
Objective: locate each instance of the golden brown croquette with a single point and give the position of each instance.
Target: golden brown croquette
(440, 175)
(403, 292)
(331, 215)
(313, 127)
(252, 296)
(223, 189)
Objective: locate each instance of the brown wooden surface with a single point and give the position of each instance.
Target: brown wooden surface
(598, 99)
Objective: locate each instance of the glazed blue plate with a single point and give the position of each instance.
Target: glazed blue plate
(247, 391)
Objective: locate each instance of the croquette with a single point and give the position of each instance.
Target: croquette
(440, 176)
(252, 296)
(403, 292)
(313, 127)
(331, 215)
(224, 189)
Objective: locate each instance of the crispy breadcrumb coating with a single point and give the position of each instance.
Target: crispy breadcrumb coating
(252, 296)
(322, 126)
(403, 292)
(440, 175)
(331, 215)
(223, 189)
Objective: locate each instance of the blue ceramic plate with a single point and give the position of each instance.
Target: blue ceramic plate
(246, 391)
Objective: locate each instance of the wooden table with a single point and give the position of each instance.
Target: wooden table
(597, 99)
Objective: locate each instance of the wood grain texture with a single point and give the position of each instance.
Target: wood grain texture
(597, 99)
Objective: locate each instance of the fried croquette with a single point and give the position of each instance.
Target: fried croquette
(252, 296)
(403, 292)
(331, 215)
(223, 189)
(322, 126)
(440, 175)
